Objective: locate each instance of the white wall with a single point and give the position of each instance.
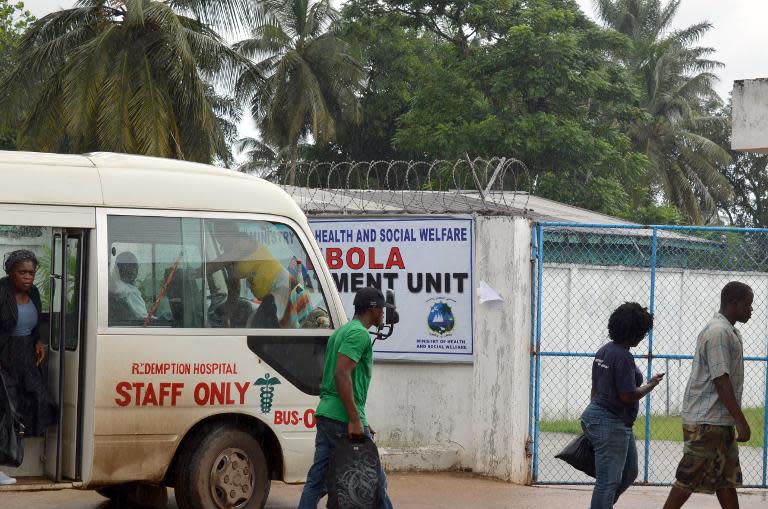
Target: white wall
(479, 409)
(750, 115)
(577, 301)
(502, 343)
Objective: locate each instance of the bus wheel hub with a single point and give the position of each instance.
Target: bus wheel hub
(231, 480)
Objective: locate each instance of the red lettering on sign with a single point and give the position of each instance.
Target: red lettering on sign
(395, 259)
(293, 418)
(150, 398)
(242, 389)
(217, 394)
(309, 418)
(201, 393)
(372, 259)
(123, 389)
(333, 258)
(176, 392)
(141, 394)
(351, 254)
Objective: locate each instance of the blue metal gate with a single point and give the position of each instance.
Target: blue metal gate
(583, 272)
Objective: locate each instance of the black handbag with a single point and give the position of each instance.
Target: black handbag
(354, 475)
(11, 430)
(580, 454)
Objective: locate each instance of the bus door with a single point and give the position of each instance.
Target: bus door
(62, 458)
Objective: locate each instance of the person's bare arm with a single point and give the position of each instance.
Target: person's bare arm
(728, 396)
(342, 377)
(642, 391)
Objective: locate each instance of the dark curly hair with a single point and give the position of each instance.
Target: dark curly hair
(18, 256)
(629, 323)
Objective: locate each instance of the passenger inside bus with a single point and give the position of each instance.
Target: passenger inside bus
(126, 303)
(283, 301)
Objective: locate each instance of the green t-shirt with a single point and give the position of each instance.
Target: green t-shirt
(353, 341)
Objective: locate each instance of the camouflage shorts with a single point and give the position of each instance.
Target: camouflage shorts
(710, 459)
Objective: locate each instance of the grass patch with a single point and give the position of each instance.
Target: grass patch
(664, 427)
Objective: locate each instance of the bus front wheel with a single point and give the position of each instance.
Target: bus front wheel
(225, 469)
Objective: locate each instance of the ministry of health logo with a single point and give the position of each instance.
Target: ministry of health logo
(440, 318)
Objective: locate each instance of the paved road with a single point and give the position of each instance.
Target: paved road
(421, 491)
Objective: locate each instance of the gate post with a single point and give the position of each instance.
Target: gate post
(654, 238)
(765, 426)
(537, 350)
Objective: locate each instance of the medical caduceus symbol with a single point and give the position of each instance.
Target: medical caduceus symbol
(267, 391)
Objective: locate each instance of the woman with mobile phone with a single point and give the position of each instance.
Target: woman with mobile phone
(617, 388)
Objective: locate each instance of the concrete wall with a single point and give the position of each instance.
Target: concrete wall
(471, 416)
(750, 115)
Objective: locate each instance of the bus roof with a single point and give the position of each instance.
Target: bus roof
(104, 179)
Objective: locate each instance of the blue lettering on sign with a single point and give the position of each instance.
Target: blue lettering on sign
(368, 235)
(443, 234)
(397, 235)
(338, 236)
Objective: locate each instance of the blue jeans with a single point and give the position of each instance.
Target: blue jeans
(329, 434)
(615, 454)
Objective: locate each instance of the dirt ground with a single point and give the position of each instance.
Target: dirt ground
(421, 491)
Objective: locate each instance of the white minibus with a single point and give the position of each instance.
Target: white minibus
(185, 309)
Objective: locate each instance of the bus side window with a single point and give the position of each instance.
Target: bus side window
(155, 272)
(38, 240)
(259, 276)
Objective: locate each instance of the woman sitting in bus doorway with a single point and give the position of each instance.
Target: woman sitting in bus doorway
(21, 351)
(617, 388)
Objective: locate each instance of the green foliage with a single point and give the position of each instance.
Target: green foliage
(543, 91)
(620, 119)
(129, 76)
(396, 61)
(676, 81)
(14, 19)
(654, 214)
(306, 81)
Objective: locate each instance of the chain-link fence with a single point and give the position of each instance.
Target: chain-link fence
(583, 273)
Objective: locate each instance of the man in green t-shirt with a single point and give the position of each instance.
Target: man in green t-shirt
(343, 392)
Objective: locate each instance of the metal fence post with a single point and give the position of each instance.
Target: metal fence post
(765, 427)
(531, 365)
(650, 357)
(537, 351)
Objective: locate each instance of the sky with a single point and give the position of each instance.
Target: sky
(739, 34)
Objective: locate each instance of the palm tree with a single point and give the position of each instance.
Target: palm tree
(306, 80)
(260, 158)
(676, 82)
(134, 76)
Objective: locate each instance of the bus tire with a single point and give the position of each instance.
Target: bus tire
(224, 469)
